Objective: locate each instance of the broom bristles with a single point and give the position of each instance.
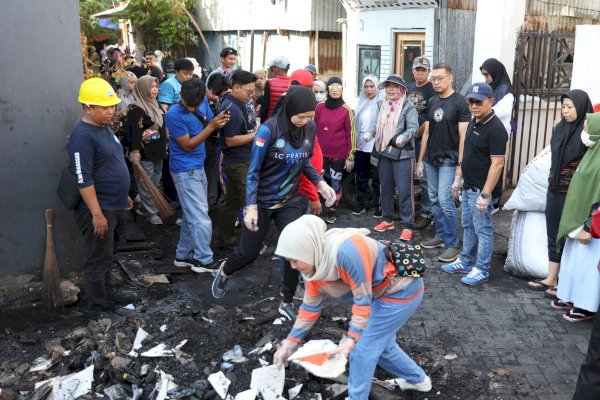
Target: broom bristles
(163, 206)
(51, 296)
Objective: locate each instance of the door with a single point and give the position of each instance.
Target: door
(408, 46)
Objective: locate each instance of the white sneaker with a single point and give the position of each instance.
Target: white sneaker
(424, 386)
(154, 219)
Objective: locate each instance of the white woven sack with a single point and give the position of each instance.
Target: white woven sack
(530, 193)
(527, 245)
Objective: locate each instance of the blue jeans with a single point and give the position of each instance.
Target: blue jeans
(377, 344)
(196, 227)
(439, 185)
(478, 237)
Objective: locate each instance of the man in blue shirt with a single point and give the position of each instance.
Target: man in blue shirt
(168, 93)
(190, 123)
(236, 144)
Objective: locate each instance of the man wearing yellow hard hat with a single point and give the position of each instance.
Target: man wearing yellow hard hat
(97, 162)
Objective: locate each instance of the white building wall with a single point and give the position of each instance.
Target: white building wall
(377, 28)
(586, 61)
(232, 15)
(496, 31)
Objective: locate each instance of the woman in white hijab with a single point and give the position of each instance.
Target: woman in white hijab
(349, 266)
(365, 120)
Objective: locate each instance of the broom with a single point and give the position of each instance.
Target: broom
(51, 297)
(165, 210)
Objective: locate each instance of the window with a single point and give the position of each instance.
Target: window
(369, 61)
(408, 47)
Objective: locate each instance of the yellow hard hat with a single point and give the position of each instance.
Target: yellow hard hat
(97, 92)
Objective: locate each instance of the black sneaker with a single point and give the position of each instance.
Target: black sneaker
(122, 297)
(359, 211)
(219, 283)
(194, 265)
(288, 311)
(422, 222)
(378, 213)
(330, 217)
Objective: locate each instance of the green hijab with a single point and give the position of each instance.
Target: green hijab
(584, 190)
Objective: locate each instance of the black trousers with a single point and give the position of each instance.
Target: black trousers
(555, 202)
(211, 168)
(588, 382)
(251, 243)
(98, 251)
(364, 172)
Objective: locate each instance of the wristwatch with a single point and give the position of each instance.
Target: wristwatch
(485, 195)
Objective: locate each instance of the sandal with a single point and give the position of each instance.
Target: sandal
(538, 286)
(551, 293)
(578, 315)
(561, 305)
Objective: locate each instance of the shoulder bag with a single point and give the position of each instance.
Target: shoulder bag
(409, 260)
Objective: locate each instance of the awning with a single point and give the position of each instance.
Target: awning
(370, 5)
(110, 11)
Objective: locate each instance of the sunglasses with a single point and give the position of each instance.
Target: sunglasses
(477, 103)
(335, 86)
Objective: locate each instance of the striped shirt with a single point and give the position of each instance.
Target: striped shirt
(363, 269)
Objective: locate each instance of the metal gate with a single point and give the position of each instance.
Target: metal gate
(543, 68)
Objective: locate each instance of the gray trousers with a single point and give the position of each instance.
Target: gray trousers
(154, 171)
(397, 175)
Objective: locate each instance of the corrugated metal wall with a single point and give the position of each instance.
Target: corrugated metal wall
(455, 39)
(325, 14)
(330, 54)
(554, 17)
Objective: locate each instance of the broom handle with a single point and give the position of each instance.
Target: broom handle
(49, 220)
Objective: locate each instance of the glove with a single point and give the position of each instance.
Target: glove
(285, 350)
(251, 217)
(345, 346)
(367, 136)
(456, 186)
(135, 156)
(400, 141)
(482, 204)
(349, 165)
(327, 192)
(420, 170)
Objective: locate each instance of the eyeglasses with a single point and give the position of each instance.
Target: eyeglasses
(335, 86)
(438, 78)
(249, 92)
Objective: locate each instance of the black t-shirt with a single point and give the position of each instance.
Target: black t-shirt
(443, 115)
(420, 97)
(237, 125)
(485, 139)
(96, 149)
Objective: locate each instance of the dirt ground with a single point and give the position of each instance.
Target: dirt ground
(185, 306)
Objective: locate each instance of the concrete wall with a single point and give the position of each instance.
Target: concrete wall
(586, 62)
(496, 30)
(377, 28)
(41, 73)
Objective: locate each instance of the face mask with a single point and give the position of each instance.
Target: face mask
(585, 139)
(320, 97)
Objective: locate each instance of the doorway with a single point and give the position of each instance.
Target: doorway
(408, 46)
